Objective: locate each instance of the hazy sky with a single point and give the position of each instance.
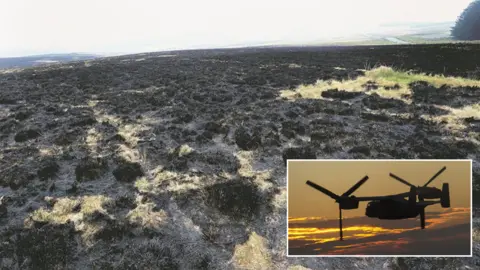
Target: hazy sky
(119, 26)
(313, 216)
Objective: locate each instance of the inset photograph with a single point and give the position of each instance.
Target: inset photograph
(379, 208)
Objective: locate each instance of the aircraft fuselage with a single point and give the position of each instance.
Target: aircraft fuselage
(430, 192)
(391, 209)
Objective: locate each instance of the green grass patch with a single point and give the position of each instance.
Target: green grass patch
(385, 77)
(388, 75)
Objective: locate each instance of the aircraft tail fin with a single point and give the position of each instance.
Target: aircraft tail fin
(445, 199)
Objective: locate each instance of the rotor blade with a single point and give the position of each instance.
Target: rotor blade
(323, 190)
(401, 180)
(356, 186)
(435, 176)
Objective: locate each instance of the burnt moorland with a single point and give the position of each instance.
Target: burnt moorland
(176, 160)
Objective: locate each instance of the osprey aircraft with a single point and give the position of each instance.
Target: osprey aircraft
(391, 207)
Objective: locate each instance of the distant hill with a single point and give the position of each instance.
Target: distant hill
(384, 34)
(44, 59)
(396, 33)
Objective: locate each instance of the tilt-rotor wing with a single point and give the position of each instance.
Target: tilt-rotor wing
(401, 195)
(381, 198)
(373, 198)
(427, 203)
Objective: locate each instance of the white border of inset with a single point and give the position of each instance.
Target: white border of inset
(396, 160)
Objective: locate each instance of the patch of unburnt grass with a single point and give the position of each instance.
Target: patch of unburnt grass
(456, 118)
(147, 217)
(389, 83)
(88, 213)
(253, 254)
(61, 212)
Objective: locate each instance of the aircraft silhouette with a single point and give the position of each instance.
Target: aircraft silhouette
(390, 207)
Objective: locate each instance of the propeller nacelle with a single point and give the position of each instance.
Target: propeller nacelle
(424, 192)
(346, 201)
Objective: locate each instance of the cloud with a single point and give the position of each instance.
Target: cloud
(453, 240)
(363, 235)
(304, 219)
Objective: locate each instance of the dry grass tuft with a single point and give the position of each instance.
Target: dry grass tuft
(246, 169)
(93, 139)
(152, 185)
(95, 203)
(455, 119)
(395, 84)
(245, 158)
(389, 75)
(279, 201)
(384, 77)
(298, 267)
(64, 210)
(143, 185)
(61, 212)
(253, 254)
(476, 234)
(146, 216)
(48, 152)
(184, 150)
(293, 65)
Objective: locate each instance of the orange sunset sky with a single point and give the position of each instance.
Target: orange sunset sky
(313, 216)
